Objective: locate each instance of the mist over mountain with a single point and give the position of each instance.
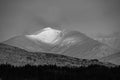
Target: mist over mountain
(39, 41)
(71, 43)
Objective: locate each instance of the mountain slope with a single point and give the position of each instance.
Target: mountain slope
(113, 40)
(72, 43)
(25, 43)
(114, 58)
(19, 57)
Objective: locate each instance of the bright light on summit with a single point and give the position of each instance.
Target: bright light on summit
(47, 35)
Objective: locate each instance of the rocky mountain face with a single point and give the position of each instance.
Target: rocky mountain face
(70, 43)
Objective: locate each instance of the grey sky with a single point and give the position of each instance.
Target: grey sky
(88, 16)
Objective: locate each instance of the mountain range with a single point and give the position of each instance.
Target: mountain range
(113, 40)
(70, 43)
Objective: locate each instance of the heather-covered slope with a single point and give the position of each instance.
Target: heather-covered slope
(19, 57)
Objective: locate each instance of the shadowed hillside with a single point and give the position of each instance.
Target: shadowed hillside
(19, 57)
(19, 64)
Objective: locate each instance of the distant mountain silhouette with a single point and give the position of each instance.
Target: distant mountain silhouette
(20, 57)
(113, 40)
(80, 47)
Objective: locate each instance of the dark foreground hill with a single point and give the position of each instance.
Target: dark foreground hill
(19, 64)
(19, 57)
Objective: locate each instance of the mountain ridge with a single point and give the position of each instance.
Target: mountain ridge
(84, 47)
(113, 58)
(113, 40)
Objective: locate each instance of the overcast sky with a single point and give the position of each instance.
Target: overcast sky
(88, 16)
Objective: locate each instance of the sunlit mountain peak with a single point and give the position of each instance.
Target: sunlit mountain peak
(46, 35)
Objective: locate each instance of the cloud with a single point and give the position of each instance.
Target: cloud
(87, 16)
